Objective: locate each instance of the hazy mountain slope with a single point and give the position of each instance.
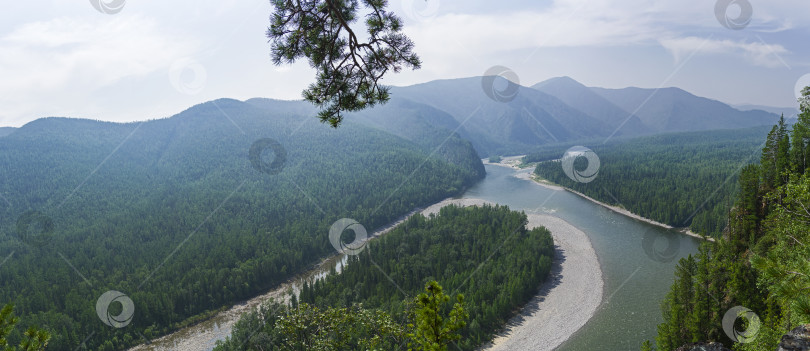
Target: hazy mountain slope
(673, 109)
(434, 130)
(6, 131)
(532, 118)
(286, 107)
(555, 111)
(173, 213)
(584, 99)
(787, 111)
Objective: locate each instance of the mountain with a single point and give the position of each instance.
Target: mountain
(787, 111)
(194, 212)
(556, 111)
(523, 121)
(6, 131)
(675, 110)
(584, 99)
(433, 130)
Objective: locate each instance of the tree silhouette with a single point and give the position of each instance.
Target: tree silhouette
(349, 68)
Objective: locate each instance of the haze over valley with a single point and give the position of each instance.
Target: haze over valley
(405, 175)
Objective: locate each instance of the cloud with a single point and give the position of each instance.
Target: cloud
(512, 31)
(87, 64)
(569, 23)
(757, 53)
(453, 43)
(49, 62)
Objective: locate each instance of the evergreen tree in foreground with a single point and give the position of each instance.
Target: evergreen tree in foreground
(33, 339)
(432, 332)
(306, 327)
(348, 68)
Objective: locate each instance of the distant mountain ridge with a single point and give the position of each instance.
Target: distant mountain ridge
(531, 118)
(558, 110)
(787, 111)
(676, 110)
(586, 100)
(555, 111)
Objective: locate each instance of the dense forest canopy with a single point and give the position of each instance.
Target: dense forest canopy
(761, 263)
(680, 179)
(176, 215)
(484, 253)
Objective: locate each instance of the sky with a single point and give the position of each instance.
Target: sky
(119, 60)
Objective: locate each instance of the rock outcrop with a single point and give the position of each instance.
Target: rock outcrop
(797, 340)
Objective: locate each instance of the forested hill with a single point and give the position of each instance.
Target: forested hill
(393, 269)
(6, 131)
(504, 118)
(681, 179)
(432, 129)
(673, 110)
(758, 275)
(177, 215)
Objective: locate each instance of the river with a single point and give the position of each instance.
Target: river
(637, 260)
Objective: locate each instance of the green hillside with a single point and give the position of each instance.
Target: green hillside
(447, 248)
(681, 179)
(175, 214)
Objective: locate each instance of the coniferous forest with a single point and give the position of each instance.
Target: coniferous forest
(319, 132)
(177, 214)
(449, 248)
(680, 179)
(760, 265)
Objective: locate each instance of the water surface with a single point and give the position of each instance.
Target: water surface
(638, 259)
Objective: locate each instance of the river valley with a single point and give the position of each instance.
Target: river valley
(637, 260)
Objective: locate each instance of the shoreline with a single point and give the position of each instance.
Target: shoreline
(204, 334)
(566, 300)
(559, 309)
(544, 183)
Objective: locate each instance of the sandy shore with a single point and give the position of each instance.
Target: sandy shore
(203, 336)
(511, 161)
(617, 209)
(434, 209)
(633, 215)
(565, 302)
